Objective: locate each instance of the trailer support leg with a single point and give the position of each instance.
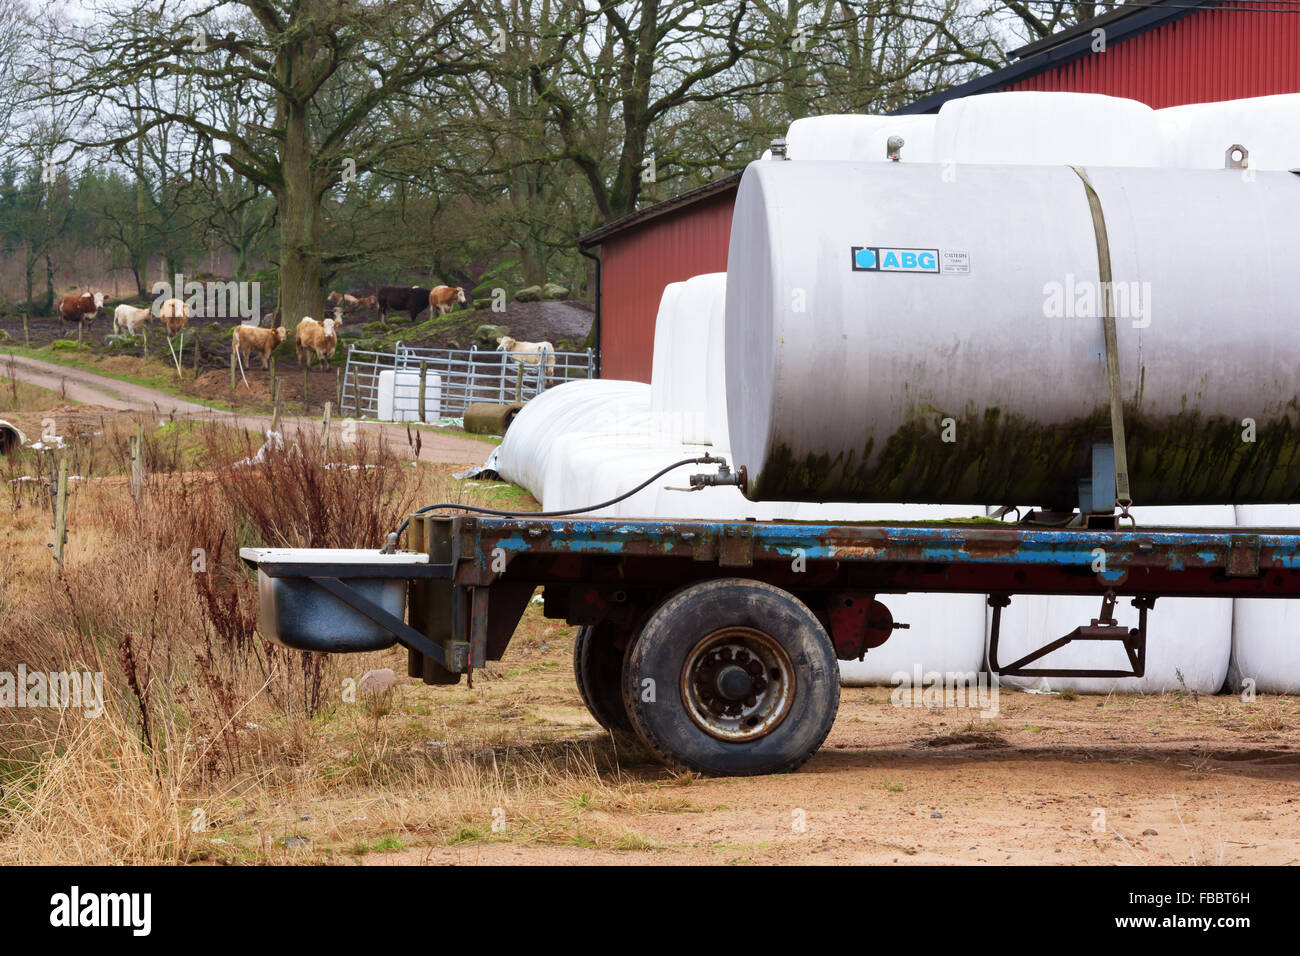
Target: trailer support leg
(1104, 627)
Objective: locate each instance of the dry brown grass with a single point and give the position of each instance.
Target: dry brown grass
(215, 745)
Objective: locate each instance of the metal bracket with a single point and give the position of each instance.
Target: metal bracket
(1097, 494)
(405, 634)
(1236, 156)
(1104, 627)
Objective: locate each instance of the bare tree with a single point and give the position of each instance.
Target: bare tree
(326, 67)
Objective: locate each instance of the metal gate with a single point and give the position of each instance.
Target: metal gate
(387, 384)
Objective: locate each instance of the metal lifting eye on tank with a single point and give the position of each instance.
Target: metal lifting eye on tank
(894, 148)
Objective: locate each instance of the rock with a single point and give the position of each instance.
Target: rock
(553, 290)
(532, 293)
(295, 842)
(936, 816)
(1150, 832)
(485, 336)
(483, 303)
(377, 681)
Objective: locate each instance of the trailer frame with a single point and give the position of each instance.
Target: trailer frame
(467, 600)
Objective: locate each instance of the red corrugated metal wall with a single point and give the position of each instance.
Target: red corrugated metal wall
(637, 264)
(1211, 55)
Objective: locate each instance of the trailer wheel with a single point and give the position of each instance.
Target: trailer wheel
(732, 677)
(598, 670)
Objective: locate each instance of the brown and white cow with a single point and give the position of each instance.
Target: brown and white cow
(247, 339)
(443, 298)
(312, 337)
(79, 308)
(173, 314)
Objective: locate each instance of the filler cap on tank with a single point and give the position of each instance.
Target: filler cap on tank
(894, 148)
(778, 148)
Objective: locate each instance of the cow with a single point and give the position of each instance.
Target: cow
(443, 298)
(337, 299)
(129, 319)
(399, 298)
(247, 339)
(173, 314)
(528, 353)
(80, 308)
(312, 337)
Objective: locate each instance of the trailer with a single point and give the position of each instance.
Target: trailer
(716, 642)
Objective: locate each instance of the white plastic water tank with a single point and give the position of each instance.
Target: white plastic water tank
(1046, 128)
(1266, 631)
(867, 303)
(680, 387)
(587, 406)
(1198, 135)
(399, 396)
(1189, 640)
(945, 633)
(862, 137)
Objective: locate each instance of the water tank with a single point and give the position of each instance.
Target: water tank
(897, 334)
(688, 331)
(860, 136)
(1266, 632)
(1197, 135)
(399, 396)
(1042, 128)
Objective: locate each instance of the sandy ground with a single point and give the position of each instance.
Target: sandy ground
(1168, 779)
(113, 394)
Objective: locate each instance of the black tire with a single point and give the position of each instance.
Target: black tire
(697, 645)
(598, 669)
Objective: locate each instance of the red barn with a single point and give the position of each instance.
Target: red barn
(1165, 53)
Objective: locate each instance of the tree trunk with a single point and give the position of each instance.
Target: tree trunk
(300, 224)
(49, 283)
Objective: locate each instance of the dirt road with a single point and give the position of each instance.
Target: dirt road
(91, 389)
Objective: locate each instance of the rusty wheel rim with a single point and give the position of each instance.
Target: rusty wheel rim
(738, 684)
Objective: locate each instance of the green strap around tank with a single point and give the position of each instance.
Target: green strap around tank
(1123, 496)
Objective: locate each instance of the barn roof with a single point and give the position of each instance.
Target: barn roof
(718, 187)
(1122, 23)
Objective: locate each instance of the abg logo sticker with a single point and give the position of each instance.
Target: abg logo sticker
(884, 259)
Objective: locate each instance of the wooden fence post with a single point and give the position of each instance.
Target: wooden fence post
(424, 374)
(137, 465)
(356, 392)
(329, 407)
(305, 404)
(61, 513)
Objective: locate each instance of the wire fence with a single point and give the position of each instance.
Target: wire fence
(386, 385)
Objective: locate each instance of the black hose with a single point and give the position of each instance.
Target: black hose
(706, 460)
